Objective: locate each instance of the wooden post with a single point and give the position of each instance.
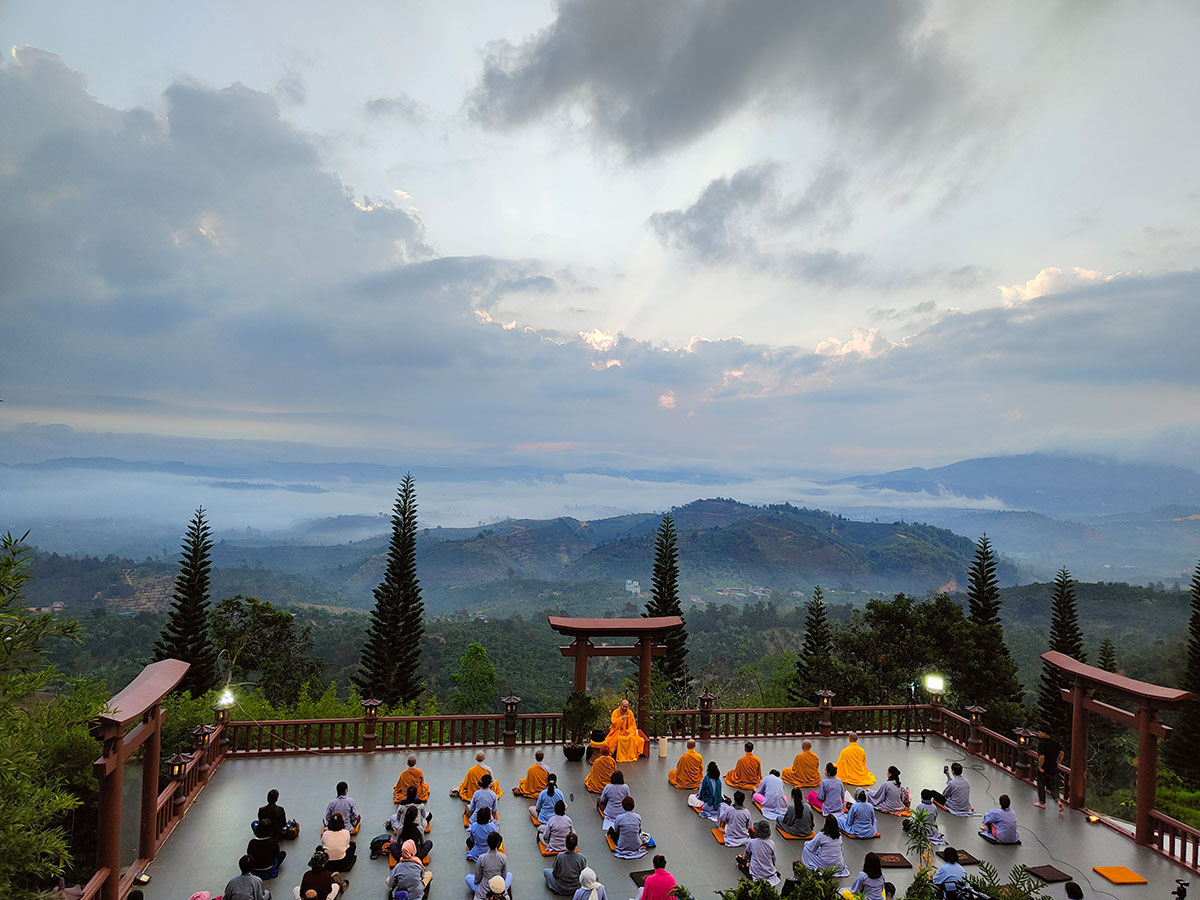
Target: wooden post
(582, 645)
(1147, 774)
(645, 644)
(1077, 796)
(147, 843)
(108, 770)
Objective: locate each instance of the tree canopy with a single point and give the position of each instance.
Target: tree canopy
(187, 635)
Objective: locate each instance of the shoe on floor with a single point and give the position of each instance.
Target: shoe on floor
(1040, 805)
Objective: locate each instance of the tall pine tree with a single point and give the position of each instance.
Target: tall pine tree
(983, 590)
(664, 601)
(983, 606)
(1065, 637)
(389, 668)
(1183, 747)
(187, 634)
(1107, 659)
(813, 666)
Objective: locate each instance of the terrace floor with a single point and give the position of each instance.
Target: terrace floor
(202, 853)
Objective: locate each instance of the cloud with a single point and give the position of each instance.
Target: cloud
(655, 76)
(400, 106)
(746, 218)
(292, 88)
(1052, 280)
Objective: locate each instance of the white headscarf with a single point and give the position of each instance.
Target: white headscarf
(587, 881)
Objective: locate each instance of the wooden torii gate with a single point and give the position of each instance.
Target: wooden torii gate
(1150, 699)
(140, 699)
(648, 632)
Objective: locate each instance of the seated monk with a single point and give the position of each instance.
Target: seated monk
(534, 781)
(748, 771)
(852, 764)
(624, 741)
(805, 770)
(470, 783)
(602, 769)
(689, 771)
(411, 776)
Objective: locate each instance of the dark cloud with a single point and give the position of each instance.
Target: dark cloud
(653, 76)
(730, 221)
(401, 106)
(292, 88)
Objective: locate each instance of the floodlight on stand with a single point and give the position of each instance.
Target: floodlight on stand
(226, 698)
(936, 686)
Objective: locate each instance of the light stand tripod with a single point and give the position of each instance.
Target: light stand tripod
(910, 719)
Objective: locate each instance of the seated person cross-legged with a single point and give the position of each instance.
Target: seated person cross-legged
(710, 797)
(626, 833)
(478, 833)
(830, 796)
(735, 821)
(824, 850)
(534, 781)
(563, 877)
(624, 740)
(1000, 825)
(553, 835)
(317, 881)
(859, 820)
(492, 865)
(758, 862)
(797, 820)
(610, 799)
(689, 771)
(747, 772)
(869, 884)
(409, 874)
(955, 797)
(263, 850)
(950, 875)
(852, 764)
(338, 845)
(805, 770)
(413, 829)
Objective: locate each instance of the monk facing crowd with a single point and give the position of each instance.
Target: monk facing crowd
(624, 741)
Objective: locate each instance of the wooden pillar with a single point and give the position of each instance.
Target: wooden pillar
(646, 644)
(581, 645)
(1079, 741)
(151, 752)
(1147, 774)
(108, 770)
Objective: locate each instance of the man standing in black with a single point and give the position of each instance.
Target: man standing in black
(1050, 756)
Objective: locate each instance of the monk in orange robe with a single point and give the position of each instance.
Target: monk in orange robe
(414, 776)
(624, 741)
(535, 777)
(747, 774)
(852, 764)
(470, 783)
(805, 770)
(689, 771)
(602, 768)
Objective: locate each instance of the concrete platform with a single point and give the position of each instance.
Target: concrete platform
(203, 851)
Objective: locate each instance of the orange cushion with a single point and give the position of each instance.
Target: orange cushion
(852, 837)
(791, 837)
(612, 845)
(1119, 874)
(534, 820)
(719, 834)
(546, 852)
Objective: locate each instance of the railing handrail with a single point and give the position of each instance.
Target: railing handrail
(1187, 829)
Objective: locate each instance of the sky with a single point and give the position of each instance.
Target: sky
(740, 240)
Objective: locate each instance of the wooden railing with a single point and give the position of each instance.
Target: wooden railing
(177, 796)
(292, 737)
(1179, 841)
(91, 890)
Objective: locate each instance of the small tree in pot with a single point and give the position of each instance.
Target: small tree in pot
(580, 715)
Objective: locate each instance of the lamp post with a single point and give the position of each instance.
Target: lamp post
(974, 741)
(220, 711)
(706, 707)
(371, 717)
(201, 735)
(1024, 737)
(936, 687)
(825, 701)
(511, 702)
(177, 765)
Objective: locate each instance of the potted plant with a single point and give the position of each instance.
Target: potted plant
(815, 884)
(918, 828)
(580, 714)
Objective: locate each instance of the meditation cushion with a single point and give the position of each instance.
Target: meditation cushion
(1119, 874)
(1049, 874)
(719, 834)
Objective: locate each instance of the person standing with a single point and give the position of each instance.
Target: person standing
(1050, 757)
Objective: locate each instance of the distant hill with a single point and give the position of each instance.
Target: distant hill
(1057, 486)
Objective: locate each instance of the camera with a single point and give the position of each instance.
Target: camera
(1180, 892)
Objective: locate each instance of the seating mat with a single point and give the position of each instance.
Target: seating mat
(901, 814)
(857, 838)
(719, 834)
(612, 845)
(947, 809)
(1119, 874)
(894, 861)
(639, 878)
(791, 837)
(546, 852)
(1049, 874)
(991, 840)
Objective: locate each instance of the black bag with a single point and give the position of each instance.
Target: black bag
(379, 845)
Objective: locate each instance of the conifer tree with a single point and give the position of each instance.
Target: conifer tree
(1183, 747)
(389, 668)
(1065, 637)
(1107, 658)
(983, 590)
(664, 601)
(187, 634)
(983, 603)
(813, 666)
